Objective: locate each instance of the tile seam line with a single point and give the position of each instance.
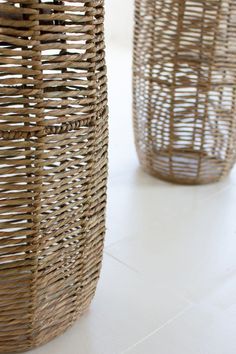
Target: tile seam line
(183, 297)
(178, 315)
(121, 262)
(114, 243)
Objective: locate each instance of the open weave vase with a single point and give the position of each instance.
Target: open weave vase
(184, 86)
(53, 165)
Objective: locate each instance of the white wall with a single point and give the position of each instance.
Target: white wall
(119, 21)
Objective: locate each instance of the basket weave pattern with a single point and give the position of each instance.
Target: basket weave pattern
(184, 88)
(53, 165)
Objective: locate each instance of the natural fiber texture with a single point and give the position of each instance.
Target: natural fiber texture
(185, 88)
(53, 165)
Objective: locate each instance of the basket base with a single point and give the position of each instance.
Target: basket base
(52, 334)
(184, 166)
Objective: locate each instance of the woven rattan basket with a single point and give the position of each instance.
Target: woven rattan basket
(185, 88)
(53, 165)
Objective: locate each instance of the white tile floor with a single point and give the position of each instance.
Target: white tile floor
(168, 284)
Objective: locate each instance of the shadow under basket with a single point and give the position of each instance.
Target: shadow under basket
(53, 166)
(184, 167)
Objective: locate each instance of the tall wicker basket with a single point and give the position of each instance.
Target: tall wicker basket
(185, 88)
(53, 165)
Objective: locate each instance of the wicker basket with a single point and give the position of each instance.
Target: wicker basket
(185, 88)
(53, 165)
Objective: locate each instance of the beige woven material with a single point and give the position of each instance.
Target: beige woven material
(53, 165)
(185, 88)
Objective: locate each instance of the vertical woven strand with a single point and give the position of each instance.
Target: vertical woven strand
(81, 305)
(94, 223)
(19, 187)
(213, 28)
(177, 39)
(228, 19)
(37, 105)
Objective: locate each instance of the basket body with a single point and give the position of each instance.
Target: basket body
(184, 86)
(53, 166)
